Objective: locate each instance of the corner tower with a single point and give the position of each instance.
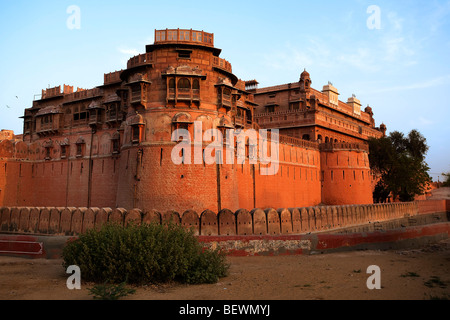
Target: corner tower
(345, 177)
(180, 80)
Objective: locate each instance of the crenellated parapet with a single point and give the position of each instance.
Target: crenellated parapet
(72, 221)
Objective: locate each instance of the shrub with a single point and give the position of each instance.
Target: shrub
(144, 254)
(108, 291)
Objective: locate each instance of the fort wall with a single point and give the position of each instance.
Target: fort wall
(146, 177)
(346, 174)
(73, 221)
(27, 180)
(149, 179)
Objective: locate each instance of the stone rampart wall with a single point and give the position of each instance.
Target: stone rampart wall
(74, 221)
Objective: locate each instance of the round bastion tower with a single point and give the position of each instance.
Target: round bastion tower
(179, 83)
(346, 176)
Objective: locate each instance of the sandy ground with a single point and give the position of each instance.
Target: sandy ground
(405, 275)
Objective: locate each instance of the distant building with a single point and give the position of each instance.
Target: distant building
(300, 111)
(7, 135)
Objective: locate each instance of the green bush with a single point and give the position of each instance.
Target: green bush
(108, 291)
(144, 254)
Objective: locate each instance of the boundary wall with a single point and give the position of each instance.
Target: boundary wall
(72, 221)
(43, 232)
(145, 176)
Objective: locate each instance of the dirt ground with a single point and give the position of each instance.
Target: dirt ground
(419, 274)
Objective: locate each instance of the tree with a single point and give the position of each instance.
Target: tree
(399, 162)
(446, 182)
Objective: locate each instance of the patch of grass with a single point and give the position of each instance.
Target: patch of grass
(438, 298)
(435, 282)
(307, 285)
(410, 274)
(108, 291)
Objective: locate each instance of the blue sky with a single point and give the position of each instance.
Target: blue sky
(401, 70)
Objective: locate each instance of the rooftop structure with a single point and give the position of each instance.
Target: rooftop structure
(300, 111)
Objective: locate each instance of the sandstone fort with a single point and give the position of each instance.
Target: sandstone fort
(110, 146)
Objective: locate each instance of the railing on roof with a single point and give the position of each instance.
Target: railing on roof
(344, 146)
(84, 94)
(291, 140)
(222, 64)
(140, 60)
(51, 92)
(280, 113)
(112, 77)
(184, 36)
(286, 86)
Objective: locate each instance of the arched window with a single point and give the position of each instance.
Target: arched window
(306, 137)
(76, 114)
(116, 143)
(196, 84)
(184, 83)
(83, 113)
(172, 83)
(112, 110)
(327, 140)
(80, 146)
(227, 92)
(196, 89)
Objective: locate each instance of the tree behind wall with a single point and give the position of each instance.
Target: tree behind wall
(446, 182)
(399, 161)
